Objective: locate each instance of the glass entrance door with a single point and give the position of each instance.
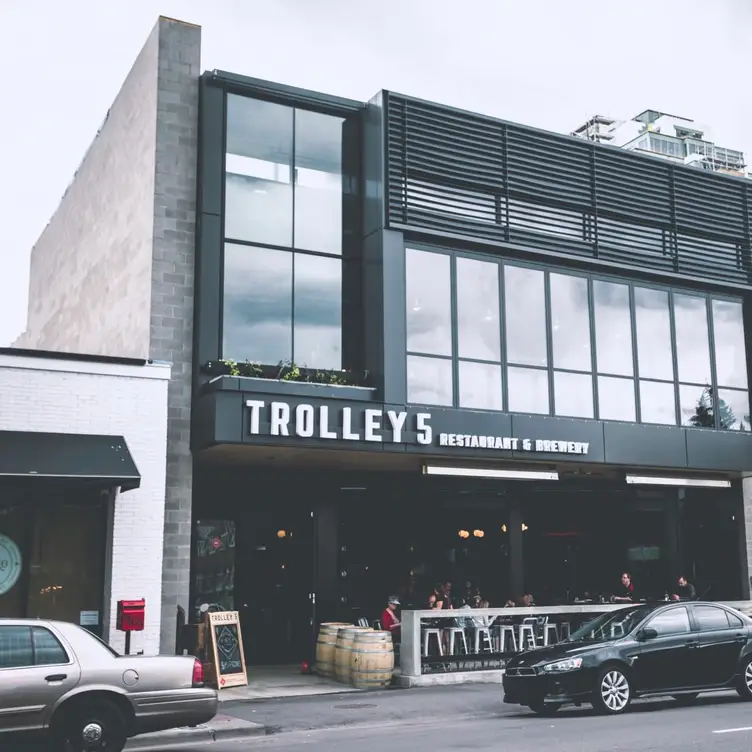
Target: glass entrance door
(274, 583)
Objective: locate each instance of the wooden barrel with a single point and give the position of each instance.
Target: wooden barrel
(345, 637)
(372, 660)
(325, 645)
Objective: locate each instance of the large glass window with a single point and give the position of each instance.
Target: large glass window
(525, 312)
(429, 303)
(283, 193)
(489, 334)
(258, 171)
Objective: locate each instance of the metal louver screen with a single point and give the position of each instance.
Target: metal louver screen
(456, 172)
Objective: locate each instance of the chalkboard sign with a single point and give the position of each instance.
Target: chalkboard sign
(227, 649)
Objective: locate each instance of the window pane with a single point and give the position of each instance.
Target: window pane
(15, 647)
(257, 322)
(429, 308)
(429, 381)
(480, 385)
(616, 399)
(478, 330)
(573, 394)
(653, 334)
(657, 403)
(674, 621)
(318, 311)
(47, 649)
(696, 405)
(318, 182)
(711, 618)
(613, 328)
(730, 352)
(528, 390)
(525, 314)
(733, 409)
(692, 350)
(570, 323)
(258, 191)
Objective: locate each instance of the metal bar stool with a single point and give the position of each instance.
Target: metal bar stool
(507, 632)
(483, 640)
(455, 632)
(427, 633)
(550, 630)
(527, 639)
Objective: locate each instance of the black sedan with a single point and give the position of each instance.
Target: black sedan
(647, 650)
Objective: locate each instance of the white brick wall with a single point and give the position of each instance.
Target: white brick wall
(70, 396)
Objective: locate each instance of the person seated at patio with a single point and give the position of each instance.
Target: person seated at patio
(389, 621)
(685, 590)
(626, 594)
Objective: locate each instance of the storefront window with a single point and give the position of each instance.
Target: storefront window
(318, 182)
(259, 165)
(613, 328)
(283, 204)
(616, 399)
(539, 358)
(528, 390)
(730, 352)
(429, 303)
(525, 313)
(692, 348)
(654, 356)
(573, 394)
(480, 385)
(657, 402)
(429, 381)
(570, 323)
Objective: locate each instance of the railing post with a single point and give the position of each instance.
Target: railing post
(410, 646)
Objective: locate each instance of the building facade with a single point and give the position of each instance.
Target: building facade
(83, 489)
(414, 344)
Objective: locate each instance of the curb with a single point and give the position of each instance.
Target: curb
(206, 733)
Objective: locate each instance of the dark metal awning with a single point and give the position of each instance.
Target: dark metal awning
(101, 460)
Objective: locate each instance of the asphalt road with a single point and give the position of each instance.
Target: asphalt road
(455, 718)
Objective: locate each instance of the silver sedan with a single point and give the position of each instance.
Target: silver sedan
(59, 682)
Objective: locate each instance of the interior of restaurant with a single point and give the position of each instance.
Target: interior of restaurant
(260, 553)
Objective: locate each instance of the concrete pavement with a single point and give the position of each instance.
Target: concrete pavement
(723, 722)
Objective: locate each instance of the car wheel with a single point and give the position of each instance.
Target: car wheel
(745, 680)
(613, 692)
(689, 699)
(93, 727)
(542, 708)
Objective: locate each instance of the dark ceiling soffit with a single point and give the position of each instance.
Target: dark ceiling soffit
(105, 460)
(469, 244)
(562, 136)
(282, 93)
(81, 357)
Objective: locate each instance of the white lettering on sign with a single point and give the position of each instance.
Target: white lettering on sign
(309, 421)
(510, 443)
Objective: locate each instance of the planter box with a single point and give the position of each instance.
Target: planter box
(280, 387)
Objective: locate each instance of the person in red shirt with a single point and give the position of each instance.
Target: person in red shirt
(389, 621)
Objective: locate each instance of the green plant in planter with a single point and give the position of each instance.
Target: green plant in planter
(231, 366)
(289, 371)
(249, 368)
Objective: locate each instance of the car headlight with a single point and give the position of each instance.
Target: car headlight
(570, 664)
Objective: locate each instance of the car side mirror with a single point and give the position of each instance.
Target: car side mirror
(648, 634)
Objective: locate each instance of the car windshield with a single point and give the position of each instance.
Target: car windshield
(611, 625)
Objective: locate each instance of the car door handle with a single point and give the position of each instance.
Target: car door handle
(740, 637)
(56, 677)
(692, 644)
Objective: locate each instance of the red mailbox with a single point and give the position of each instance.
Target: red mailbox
(130, 615)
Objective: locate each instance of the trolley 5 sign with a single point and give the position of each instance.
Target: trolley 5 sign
(308, 421)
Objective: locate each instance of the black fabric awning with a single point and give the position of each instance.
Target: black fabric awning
(101, 460)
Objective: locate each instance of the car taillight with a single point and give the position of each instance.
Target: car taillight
(198, 673)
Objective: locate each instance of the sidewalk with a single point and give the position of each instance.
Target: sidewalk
(267, 682)
(222, 728)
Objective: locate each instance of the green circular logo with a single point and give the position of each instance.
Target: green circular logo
(10, 564)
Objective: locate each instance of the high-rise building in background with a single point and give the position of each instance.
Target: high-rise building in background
(675, 138)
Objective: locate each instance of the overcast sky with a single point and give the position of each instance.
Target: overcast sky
(547, 63)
